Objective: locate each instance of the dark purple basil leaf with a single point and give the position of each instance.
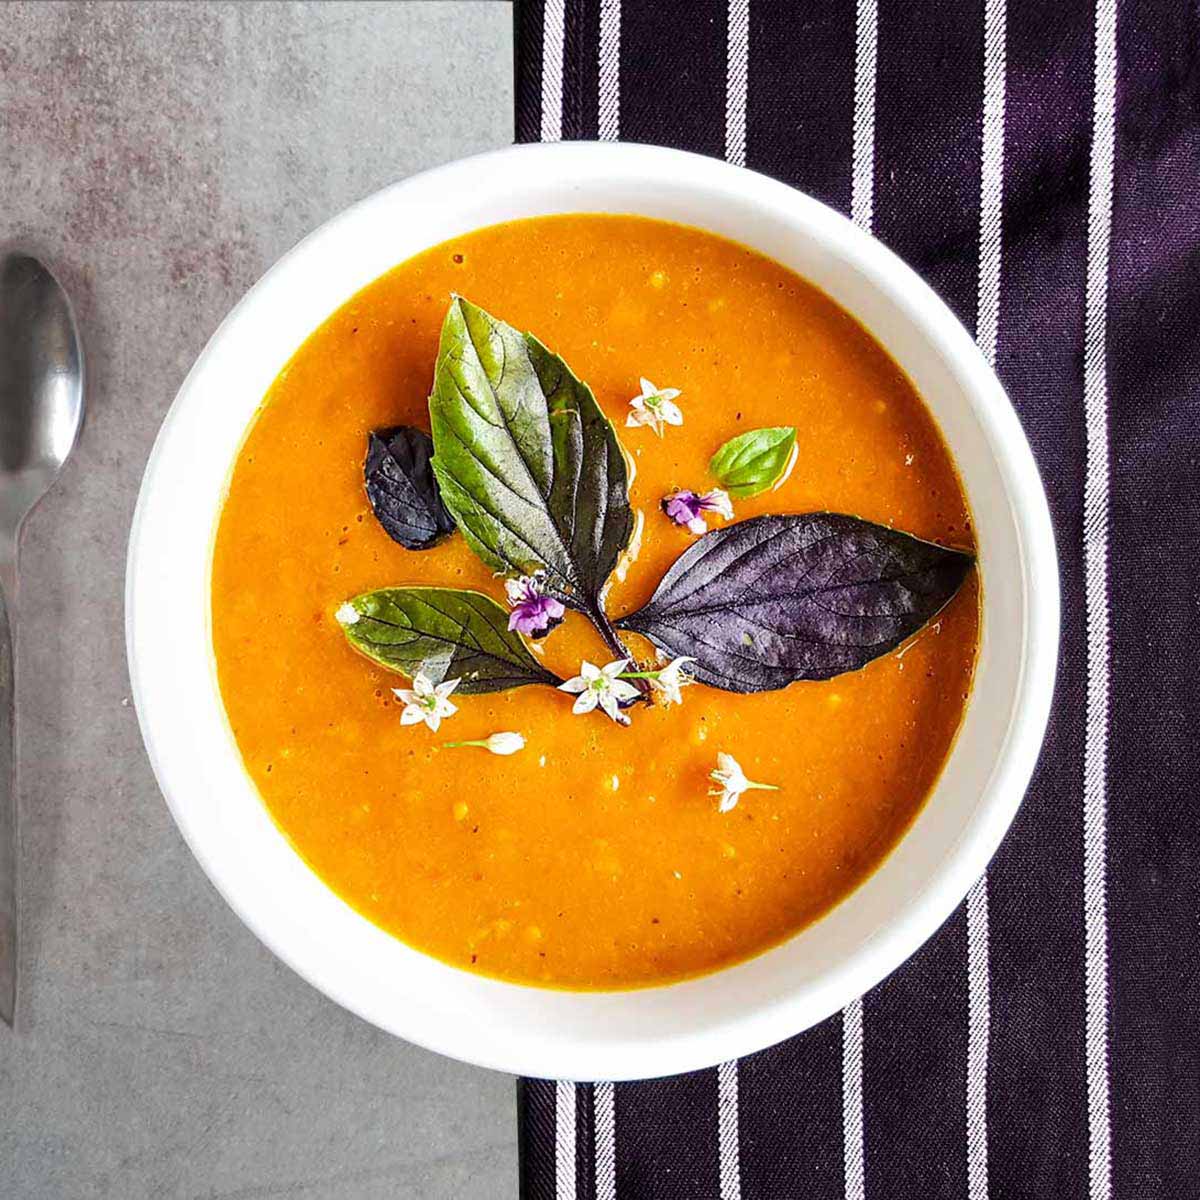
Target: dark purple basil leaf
(402, 487)
(771, 600)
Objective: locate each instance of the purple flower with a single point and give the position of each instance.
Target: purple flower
(686, 508)
(533, 613)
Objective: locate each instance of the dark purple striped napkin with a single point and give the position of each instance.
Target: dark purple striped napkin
(1039, 162)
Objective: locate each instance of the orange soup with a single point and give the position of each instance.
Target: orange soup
(595, 857)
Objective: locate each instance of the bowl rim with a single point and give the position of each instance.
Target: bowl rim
(778, 1016)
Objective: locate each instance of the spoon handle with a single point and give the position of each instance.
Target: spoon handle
(8, 788)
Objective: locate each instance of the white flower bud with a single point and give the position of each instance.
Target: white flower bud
(505, 743)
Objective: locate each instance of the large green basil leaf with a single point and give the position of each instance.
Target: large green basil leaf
(445, 632)
(753, 461)
(528, 465)
(771, 600)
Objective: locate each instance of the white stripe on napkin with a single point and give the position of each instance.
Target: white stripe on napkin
(862, 177)
(737, 38)
(609, 118)
(992, 182)
(605, 1104)
(1095, 546)
(979, 1015)
(554, 36)
(728, 1149)
(853, 1161)
(564, 1140)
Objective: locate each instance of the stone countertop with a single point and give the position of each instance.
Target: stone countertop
(162, 156)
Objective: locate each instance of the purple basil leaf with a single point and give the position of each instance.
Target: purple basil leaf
(771, 600)
(403, 489)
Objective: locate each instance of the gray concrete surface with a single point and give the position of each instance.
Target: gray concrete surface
(164, 155)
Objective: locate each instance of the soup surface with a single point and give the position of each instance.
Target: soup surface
(595, 857)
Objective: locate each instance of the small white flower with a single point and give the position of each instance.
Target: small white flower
(731, 782)
(347, 614)
(602, 686)
(497, 743)
(669, 681)
(425, 702)
(655, 407)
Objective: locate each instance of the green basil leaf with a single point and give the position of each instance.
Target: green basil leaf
(771, 600)
(445, 632)
(753, 461)
(528, 465)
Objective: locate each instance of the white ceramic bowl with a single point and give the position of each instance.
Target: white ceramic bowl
(531, 1031)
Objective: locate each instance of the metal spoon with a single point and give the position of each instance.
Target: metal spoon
(41, 411)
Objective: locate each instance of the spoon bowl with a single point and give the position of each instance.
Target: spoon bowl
(41, 384)
(41, 413)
